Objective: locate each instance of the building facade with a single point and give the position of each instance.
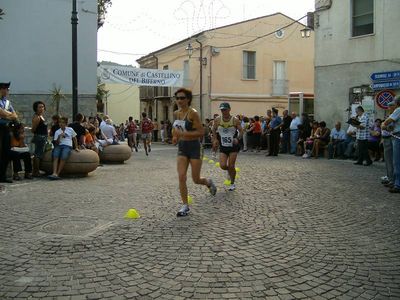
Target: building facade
(353, 40)
(36, 54)
(253, 64)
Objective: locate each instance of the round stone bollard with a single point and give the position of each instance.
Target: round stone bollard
(78, 164)
(115, 154)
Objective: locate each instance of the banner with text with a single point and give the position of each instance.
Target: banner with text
(136, 76)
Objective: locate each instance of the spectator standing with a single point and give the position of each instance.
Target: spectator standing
(362, 136)
(395, 119)
(132, 134)
(285, 129)
(156, 127)
(388, 155)
(40, 134)
(294, 132)
(7, 114)
(274, 127)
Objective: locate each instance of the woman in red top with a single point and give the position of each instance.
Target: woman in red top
(255, 128)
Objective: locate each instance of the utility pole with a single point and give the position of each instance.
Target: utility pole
(74, 22)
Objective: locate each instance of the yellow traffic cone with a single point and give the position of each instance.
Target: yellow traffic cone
(205, 158)
(237, 177)
(237, 169)
(190, 199)
(211, 161)
(227, 182)
(217, 164)
(132, 214)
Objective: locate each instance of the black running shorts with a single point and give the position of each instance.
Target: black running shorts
(190, 149)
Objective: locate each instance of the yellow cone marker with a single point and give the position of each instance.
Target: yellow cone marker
(227, 182)
(211, 161)
(190, 199)
(205, 158)
(237, 169)
(237, 177)
(132, 214)
(217, 164)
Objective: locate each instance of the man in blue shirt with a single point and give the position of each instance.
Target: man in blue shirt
(7, 114)
(337, 141)
(274, 127)
(395, 133)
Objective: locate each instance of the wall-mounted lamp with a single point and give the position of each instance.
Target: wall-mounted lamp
(306, 32)
(189, 50)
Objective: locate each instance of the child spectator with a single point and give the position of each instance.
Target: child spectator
(65, 141)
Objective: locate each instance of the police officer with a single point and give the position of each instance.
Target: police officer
(7, 114)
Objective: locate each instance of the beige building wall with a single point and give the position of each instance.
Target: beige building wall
(122, 101)
(222, 67)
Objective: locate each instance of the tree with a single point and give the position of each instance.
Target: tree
(102, 7)
(56, 97)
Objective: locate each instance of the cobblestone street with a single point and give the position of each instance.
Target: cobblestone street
(293, 229)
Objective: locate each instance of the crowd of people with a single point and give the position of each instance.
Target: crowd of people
(364, 140)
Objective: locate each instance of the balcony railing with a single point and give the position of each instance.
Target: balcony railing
(280, 87)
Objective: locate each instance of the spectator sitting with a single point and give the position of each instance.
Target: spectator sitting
(309, 142)
(91, 139)
(375, 139)
(321, 139)
(350, 142)
(109, 134)
(79, 129)
(19, 150)
(336, 146)
(65, 140)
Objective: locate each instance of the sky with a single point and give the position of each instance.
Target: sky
(133, 28)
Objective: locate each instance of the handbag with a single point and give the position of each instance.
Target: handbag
(48, 146)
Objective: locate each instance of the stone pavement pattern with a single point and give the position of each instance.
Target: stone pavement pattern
(294, 229)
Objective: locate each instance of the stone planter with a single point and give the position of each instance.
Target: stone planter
(115, 153)
(78, 164)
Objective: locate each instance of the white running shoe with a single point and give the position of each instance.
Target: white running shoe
(232, 187)
(184, 211)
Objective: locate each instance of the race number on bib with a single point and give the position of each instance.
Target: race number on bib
(227, 141)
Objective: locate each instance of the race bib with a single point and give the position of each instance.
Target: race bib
(226, 139)
(179, 124)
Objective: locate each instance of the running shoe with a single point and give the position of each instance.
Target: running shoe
(149, 148)
(184, 211)
(212, 188)
(232, 187)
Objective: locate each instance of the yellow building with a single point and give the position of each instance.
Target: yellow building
(253, 64)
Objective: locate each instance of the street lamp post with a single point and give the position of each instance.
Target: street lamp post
(74, 22)
(202, 61)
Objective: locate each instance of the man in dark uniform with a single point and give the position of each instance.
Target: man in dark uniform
(7, 114)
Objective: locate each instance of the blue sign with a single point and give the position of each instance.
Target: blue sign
(384, 76)
(391, 85)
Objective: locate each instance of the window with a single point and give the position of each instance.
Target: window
(279, 82)
(363, 17)
(249, 64)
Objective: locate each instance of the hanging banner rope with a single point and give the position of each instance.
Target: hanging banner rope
(142, 77)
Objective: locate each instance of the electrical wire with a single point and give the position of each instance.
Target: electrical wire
(262, 36)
